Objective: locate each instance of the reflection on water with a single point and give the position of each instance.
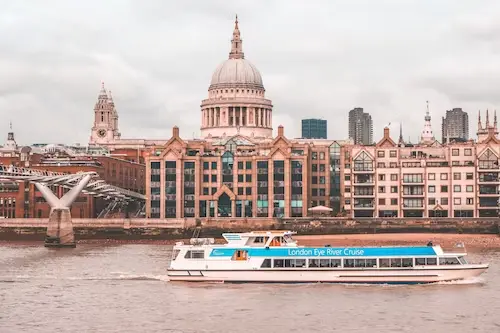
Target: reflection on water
(124, 288)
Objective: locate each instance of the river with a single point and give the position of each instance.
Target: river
(123, 288)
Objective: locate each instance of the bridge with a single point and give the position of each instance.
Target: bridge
(60, 227)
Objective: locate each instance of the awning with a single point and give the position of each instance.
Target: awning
(320, 209)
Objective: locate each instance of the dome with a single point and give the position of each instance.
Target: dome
(236, 72)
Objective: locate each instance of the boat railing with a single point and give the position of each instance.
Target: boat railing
(202, 241)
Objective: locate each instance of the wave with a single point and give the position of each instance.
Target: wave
(118, 277)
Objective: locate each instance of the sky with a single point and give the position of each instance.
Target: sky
(317, 59)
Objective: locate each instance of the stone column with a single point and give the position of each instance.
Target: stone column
(209, 115)
(233, 208)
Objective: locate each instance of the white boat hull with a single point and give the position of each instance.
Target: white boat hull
(374, 276)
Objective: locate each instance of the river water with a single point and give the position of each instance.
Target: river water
(123, 288)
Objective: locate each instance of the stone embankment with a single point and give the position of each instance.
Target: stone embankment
(165, 229)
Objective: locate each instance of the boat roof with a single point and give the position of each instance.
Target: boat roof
(262, 233)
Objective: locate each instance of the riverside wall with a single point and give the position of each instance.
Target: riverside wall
(35, 229)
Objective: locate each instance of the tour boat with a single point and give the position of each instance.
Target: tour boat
(274, 256)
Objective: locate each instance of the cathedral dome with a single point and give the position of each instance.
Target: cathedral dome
(235, 72)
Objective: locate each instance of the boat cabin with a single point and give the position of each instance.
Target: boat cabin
(266, 239)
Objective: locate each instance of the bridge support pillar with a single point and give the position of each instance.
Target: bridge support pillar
(60, 227)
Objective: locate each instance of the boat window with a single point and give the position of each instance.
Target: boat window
(195, 254)
(449, 261)
(419, 261)
(384, 263)
(240, 255)
(260, 240)
(407, 262)
(266, 263)
(462, 260)
(278, 263)
(396, 262)
(348, 262)
(175, 253)
(359, 262)
(324, 263)
(371, 262)
(276, 241)
(314, 262)
(295, 263)
(431, 261)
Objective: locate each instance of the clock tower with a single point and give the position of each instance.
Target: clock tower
(105, 129)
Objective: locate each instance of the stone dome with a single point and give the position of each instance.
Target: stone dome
(236, 72)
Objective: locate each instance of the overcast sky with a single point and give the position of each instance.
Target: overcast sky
(317, 59)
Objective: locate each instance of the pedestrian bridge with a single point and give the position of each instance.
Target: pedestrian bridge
(60, 226)
(95, 187)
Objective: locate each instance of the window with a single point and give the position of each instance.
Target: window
(205, 191)
(432, 201)
(240, 190)
(454, 152)
(444, 201)
(393, 153)
(469, 176)
(456, 176)
(381, 153)
(248, 178)
(214, 165)
(457, 201)
(214, 178)
(240, 178)
(381, 201)
(425, 261)
(394, 202)
(449, 261)
(205, 165)
(240, 165)
(469, 188)
(468, 152)
(321, 155)
(248, 191)
(444, 189)
(347, 177)
(194, 254)
(381, 177)
(457, 188)
(444, 176)
(394, 176)
(394, 189)
(205, 178)
(431, 176)
(381, 189)
(469, 201)
(266, 263)
(248, 165)
(432, 189)
(380, 165)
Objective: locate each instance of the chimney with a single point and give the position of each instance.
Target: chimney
(175, 131)
(280, 130)
(386, 132)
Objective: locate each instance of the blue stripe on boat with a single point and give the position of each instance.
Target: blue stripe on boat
(329, 252)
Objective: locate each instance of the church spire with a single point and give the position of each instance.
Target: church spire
(236, 43)
(495, 120)
(400, 140)
(479, 125)
(487, 119)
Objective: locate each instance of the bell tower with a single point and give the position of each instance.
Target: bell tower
(105, 129)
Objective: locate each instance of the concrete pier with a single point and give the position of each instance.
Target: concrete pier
(60, 229)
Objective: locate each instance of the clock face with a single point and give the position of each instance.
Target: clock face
(101, 133)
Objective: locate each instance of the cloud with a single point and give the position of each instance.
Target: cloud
(319, 59)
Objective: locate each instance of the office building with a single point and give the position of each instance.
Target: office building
(455, 126)
(360, 127)
(314, 129)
